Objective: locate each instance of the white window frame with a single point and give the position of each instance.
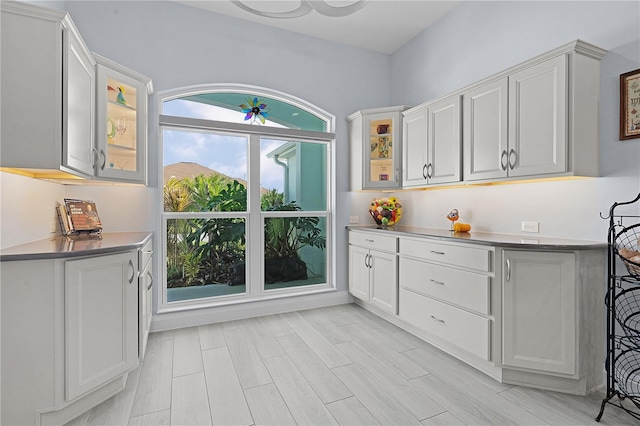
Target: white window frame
(254, 222)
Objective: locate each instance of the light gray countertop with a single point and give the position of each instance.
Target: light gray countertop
(61, 247)
(486, 238)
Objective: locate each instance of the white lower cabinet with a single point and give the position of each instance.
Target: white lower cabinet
(373, 275)
(539, 305)
(525, 316)
(145, 304)
(466, 330)
(101, 320)
(69, 334)
(445, 290)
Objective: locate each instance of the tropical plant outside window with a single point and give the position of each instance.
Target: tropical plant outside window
(236, 227)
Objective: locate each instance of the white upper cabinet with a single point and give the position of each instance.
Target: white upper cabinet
(485, 124)
(431, 143)
(122, 122)
(78, 105)
(48, 86)
(376, 148)
(414, 140)
(444, 142)
(59, 118)
(539, 119)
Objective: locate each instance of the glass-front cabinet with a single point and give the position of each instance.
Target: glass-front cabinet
(121, 147)
(376, 148)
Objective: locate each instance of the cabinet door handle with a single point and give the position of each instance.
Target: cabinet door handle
(504, 160)
(396, 174)
(438, 252)
(429, 171)
(437, 319)
(370, 261)
(436, 282)
(150, 280)
(512, 154)
(133, 271)
(104, 159)
(95, 157)
(508, 269)
(366, 260)
(424, 171)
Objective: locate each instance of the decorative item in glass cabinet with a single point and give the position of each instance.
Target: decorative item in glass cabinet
(121, 127)
(111, 130)
(386, 211)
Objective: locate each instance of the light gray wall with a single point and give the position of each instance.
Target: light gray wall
(481, 38)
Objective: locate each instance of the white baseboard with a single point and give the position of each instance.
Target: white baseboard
(195, 317)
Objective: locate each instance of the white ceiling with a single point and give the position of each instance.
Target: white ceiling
(381, 25)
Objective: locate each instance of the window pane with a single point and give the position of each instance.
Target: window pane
(204, 171)
(228, 107)
(293, 175)
(294, 251)
(205, 258)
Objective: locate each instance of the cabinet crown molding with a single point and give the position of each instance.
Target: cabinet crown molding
(362, 112)
(577, 46)
(126, 71)
(33, 11)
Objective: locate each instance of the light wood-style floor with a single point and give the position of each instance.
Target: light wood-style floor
(336, 365)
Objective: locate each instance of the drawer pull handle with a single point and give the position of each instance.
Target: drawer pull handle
(437, 282)
(369, 241)
(437, 252)
(437, 319)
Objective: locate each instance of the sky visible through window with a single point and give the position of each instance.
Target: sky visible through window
(222, 153)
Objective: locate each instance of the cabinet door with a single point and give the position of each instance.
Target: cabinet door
(444, 140)
(538, 119)
(485, 118)
(101, 320)
(415, 148)
(382, 150)
(144, 306)
(359, 272)
(539, 311)
(122, 123)
(384, 281)
(78, 106)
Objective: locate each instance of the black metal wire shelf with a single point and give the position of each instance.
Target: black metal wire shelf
(622, 301)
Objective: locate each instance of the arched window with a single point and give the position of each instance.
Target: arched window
(247, 196)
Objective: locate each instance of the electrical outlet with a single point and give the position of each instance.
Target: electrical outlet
(354, 220)
(533, 227)
(52, 226)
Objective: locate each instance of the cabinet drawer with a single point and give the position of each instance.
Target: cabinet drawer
(466, 257)
(466, 289)
(145, 254)
(461, 328)
(374, 241)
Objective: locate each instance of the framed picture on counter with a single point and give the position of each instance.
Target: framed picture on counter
(630, 105)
